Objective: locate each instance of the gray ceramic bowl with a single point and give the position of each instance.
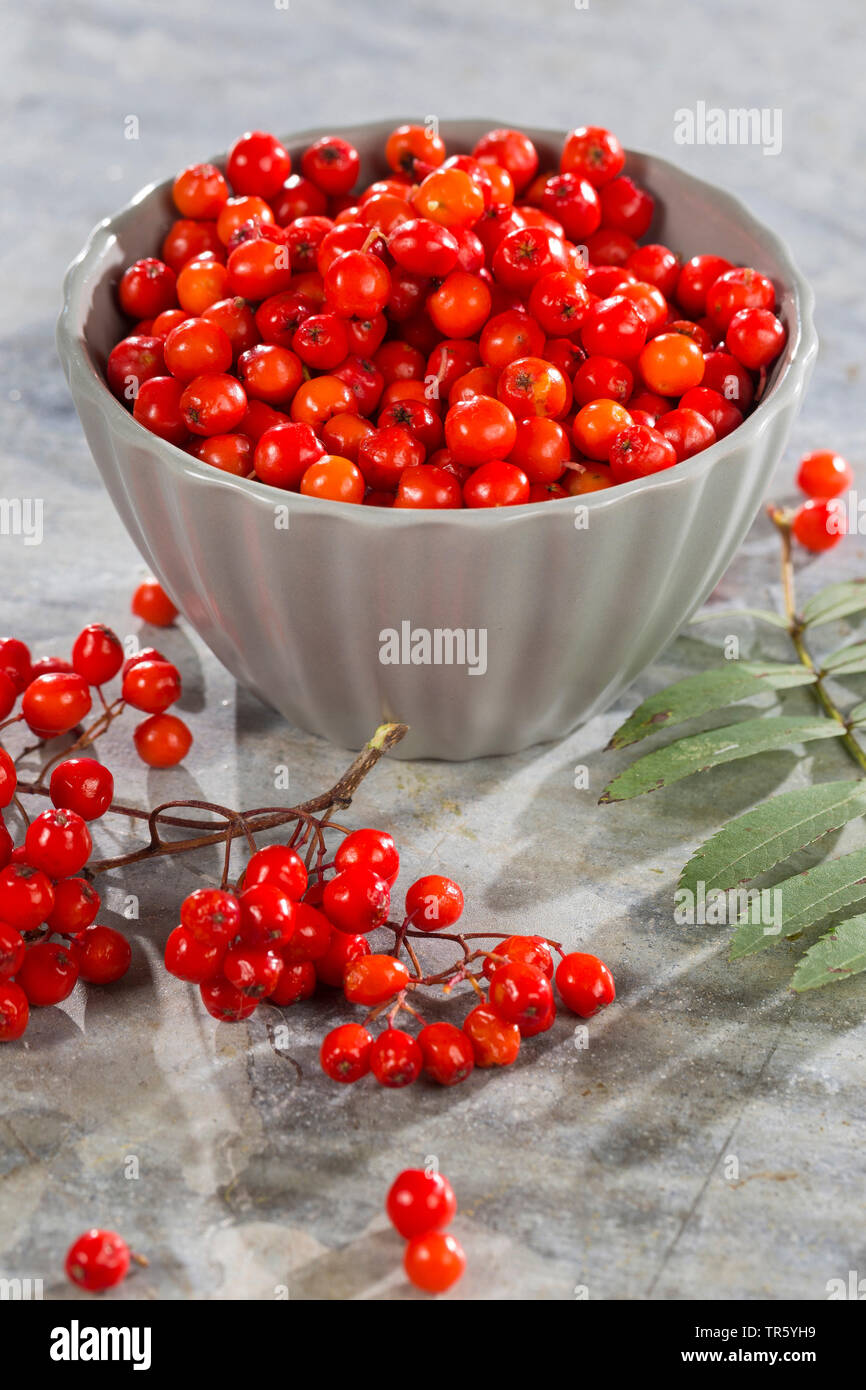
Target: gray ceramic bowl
(553, 608)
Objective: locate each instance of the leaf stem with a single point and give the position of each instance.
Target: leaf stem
(782, 521)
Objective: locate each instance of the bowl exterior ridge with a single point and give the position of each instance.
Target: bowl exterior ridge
(546, 612)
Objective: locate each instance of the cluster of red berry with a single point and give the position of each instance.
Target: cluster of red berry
(42, 895)
(419, 1204)
(42, 891)
(284, 931)
(468, 330)
(822, 521)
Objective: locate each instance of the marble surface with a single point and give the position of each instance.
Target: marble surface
(601, 1172)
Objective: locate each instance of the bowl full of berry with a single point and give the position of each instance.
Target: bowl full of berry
(453, 425)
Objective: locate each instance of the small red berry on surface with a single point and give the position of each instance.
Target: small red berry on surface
(356, 901)
(162, 740)
(267, 915)
(98, 1260)
(448, 1053)
(345, 1053)
(8, 778)
(14, 1011)
(58, 842)
(434, 1262)
(520, 993)
(48, 973)
(55, 703)
(26, 896)
(226, 1002)
(254, 970)
(820, 524)
(369, 849)
(104, 955)
(824, 474)
(311, 938)
(343, 948)
(584, 983)
(495, 1043)
(76, 903)
(11, 950)
(532, 950)
(281, 865)
(97, 654)
(152, 604)
(297, 981)
(373, 979)
(419, 1202)
(211, 915)
(82, 785)
(396, 1058)
(434, 902)
(191, 959)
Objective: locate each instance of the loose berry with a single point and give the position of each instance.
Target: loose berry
(819, 525)
(434, 1262)
(162, 740)
(55, 703)
(97, 1260)
(823, 474)
(419, 1202)
(152, 604)
(585, 983)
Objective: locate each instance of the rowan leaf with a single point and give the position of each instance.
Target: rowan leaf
(847, 661)
(835, 602)
(759, 839)
(706, 691)
(705, 750)
(858, 714)
(839, 954)
(764, 615)
(805, 899)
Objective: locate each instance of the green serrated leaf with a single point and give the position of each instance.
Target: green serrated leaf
(706, 691)
(764, 837)
(701, 751)
(806, 899)
(764, 615)
(839, 954)
(846, 661)
(834, 602)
